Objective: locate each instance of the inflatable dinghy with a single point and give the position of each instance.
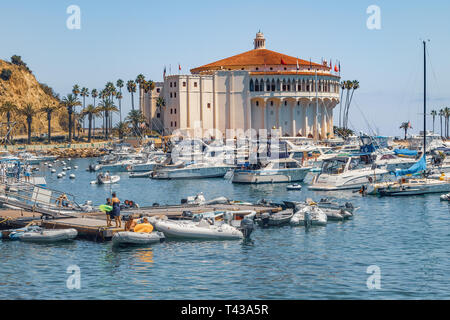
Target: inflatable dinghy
(127, 237)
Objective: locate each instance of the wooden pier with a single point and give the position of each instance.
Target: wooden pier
(92, 226)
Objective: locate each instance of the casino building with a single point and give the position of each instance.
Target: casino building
(259, 89)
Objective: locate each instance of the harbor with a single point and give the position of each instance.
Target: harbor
(160, 152)
(372, 229)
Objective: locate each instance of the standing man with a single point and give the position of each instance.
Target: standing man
(116, 210)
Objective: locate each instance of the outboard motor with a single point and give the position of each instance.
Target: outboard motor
(308, 218)
(187, 214)
(247, 226)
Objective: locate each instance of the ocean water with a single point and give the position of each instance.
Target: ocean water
(406, 239)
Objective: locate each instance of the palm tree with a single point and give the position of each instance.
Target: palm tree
(131, 87)
(405, 126)
(84, 93)
(433, 113)
(94, 94)
(135, 118)
(75, 91)
(120, 85)
(140, 80)
(91, 112)
(9, 108)
(108, 107)
(48, 110)
(70, 102)
(348, 85)
(122, 129)
(447, 116)
(441, 114)
(340, 101)
(354, 86)
(29, 112)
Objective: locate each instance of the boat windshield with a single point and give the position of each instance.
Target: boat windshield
(334, 166)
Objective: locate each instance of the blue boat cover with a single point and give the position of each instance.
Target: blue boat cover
(406, 152)
(420, 165)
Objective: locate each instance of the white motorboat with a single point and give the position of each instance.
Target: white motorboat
(294, 186)
(273, 171)
(347, 172)
(102, 179)
(137, 238)
(203, 229)
(193, 170)
(409, 187)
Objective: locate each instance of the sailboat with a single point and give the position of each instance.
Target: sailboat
(408, 185)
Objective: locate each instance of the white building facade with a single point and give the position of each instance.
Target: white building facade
(258, 89)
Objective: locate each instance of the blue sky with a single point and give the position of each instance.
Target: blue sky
(120, 39)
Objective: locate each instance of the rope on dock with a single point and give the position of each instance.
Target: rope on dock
(6, 219)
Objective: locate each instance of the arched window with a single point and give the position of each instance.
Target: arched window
(284, 88)
(288, 86)
(261, 85)
(252, 88)
(278, 85)
(267, 85)
(273, 85)
(256, 85)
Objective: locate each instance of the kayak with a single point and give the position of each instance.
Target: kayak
(128, 237)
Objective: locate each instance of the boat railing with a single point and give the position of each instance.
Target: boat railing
(31, 197)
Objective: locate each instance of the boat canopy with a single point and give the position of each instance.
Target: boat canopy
(420, 165)
(405, 152)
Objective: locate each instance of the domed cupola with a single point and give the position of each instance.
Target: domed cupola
(260, 41)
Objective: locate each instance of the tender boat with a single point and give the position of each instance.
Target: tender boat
(279, 218)
(272, 171)
(202, 230)
(137, 238)
(101, 179)
(310, 215)
(294, 187)
(48, 235)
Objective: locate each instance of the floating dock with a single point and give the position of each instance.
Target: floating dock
(92, 226)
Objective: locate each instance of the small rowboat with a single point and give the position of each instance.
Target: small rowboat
(295, 186)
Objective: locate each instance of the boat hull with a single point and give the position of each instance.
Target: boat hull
(269, 176)
(191, 173)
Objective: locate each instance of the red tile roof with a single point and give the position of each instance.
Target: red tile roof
(255, 57)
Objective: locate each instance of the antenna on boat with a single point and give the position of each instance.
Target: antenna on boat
(424, 98)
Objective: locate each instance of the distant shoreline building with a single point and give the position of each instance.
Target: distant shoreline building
(258, 89)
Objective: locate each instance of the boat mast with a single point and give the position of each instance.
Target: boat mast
(316, 131)
(424, 99)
